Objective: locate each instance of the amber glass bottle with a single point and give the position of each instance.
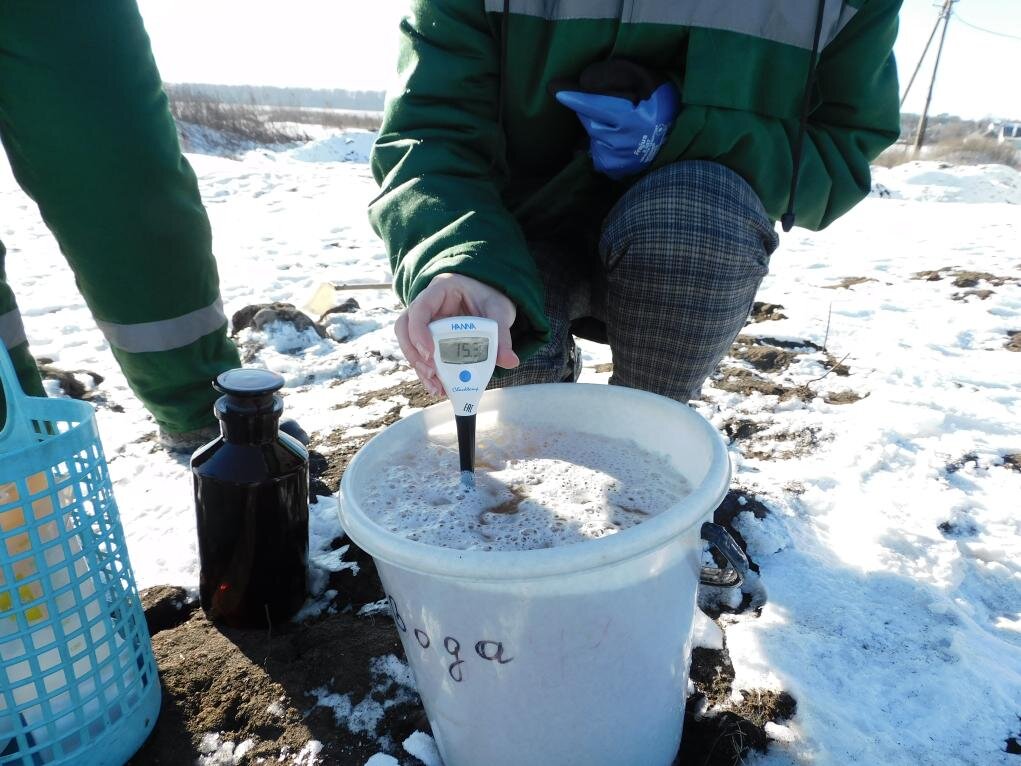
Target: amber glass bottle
(251, 505)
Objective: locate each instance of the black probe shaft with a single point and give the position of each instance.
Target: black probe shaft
(466, 442)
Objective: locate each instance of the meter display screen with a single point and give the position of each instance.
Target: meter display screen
(464, 350)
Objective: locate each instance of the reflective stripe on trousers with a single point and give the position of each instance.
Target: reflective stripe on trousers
(12, 330)
(165, 334)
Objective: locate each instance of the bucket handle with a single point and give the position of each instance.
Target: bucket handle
(736, 572)
(17, 427)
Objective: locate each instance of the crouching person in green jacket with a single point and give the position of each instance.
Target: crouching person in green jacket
(90, 138)
(615, 170)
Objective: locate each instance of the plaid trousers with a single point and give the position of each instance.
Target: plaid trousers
(680, 258)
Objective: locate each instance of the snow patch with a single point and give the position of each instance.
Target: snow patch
(216, 751)
(348, 146)
(388, 666)
(365, 716)
(706, 633)
(927, 181)
(423, 747)
(376, 607)
(309, 754)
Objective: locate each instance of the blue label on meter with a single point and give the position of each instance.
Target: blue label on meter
(465, 376)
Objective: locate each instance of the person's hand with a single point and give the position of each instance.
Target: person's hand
(450, 295)
(625, 135)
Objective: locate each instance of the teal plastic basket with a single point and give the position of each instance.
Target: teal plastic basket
(78, 682)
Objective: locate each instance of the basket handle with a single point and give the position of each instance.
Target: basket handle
(17, 429)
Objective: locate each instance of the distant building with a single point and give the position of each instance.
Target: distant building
(1009, 133)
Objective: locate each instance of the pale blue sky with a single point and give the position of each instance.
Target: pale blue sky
(348, 44)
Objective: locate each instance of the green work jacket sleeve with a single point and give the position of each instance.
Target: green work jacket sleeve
(854, 115)
(439, 163)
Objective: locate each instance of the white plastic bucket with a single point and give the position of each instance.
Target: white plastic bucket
(562, 656)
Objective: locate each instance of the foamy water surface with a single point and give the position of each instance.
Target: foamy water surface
(533, 490)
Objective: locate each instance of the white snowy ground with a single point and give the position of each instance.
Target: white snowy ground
(901, 643)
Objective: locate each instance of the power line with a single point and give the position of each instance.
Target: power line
(988, 31)
(921, 58)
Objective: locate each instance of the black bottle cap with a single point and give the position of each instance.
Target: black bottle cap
(249, 382)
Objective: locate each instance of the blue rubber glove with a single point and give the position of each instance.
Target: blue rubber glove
(625, 136)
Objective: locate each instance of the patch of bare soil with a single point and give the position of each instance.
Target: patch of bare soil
(802, 346)
(956, 465)
(957, 529)
(719, 731)
(770, 354)
(774, 445)
(330, 453)
(843, 397)
(773, 355)
(411, 390)
(762, 357)
(743, 428)
(254, 685)
(1013, 340)
(766, 312)
(739, 501)
(932, 275)
(741, 381)
(73, 387)
(849, 282)
(258, 315)
(836, 366)
(1012, 461)
(340, 451)
(980, 294)
(165, 607)
(965, 278)
(1013, 744)
(786, 445)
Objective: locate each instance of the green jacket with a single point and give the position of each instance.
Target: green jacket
(467, 177)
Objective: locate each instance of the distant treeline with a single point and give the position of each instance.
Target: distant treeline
(941, 127)
(268, 95)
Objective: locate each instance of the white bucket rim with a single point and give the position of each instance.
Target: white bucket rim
(388, 546)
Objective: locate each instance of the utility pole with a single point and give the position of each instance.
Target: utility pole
(944, 16)
(918, 66)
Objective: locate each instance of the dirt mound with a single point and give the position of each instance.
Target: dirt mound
(72, 383)
(267, 689)
(766, 312)
(719, 729)
(259, 315)
(966, 278)
(771, 356)
(848, 282)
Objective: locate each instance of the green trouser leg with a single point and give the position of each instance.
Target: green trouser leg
(87, 128)
(12, 335)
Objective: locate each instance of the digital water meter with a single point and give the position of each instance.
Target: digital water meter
(464, 353)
